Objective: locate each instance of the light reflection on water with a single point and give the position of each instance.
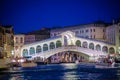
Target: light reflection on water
(60, 72)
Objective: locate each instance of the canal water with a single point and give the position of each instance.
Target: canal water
(61, 72)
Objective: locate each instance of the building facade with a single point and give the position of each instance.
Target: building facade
(6, 41)
(18, 43)
(29, 39)
(113, 35)
(2, 33)
(9, 42)
(93, 31)
(42, 34)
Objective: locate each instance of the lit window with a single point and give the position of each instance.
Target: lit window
(21, 40)
(16, 40)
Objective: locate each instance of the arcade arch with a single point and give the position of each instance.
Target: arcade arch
(111, 50)
(25, 53)
(85, 44)
(45, 47)
(98, 47)
(32, 51)
(105, 49)
(58, 44)
(38, 49)
(78, 43)
(91, 46)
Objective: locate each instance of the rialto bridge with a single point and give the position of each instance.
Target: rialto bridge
(68, 41)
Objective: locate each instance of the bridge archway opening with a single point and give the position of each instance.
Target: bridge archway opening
(67, 57)
(68, 38)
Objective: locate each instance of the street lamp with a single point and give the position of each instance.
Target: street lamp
(119, 50)
(12, 52)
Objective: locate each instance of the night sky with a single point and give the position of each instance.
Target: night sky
(29, 15)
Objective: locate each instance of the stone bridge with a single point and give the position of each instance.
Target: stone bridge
(67, 41)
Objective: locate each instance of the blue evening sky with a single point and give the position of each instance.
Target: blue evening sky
(29, 15)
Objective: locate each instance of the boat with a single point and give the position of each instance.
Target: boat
(28, 64)
(39, 63)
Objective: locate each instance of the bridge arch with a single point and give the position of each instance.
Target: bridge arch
(38, 49)
(32, 51)
(105, 49)
(68, 38)
(58, 43)
(78, 43)
(85, 44)
(111, 50)
(45, 47)
(91, 46)
(52, 45)
(25, 53)
(69, 56)
(98, 47)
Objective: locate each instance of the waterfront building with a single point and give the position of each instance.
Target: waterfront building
(42, 34)
(29, 39)
(39, 37)
(9, 42)
(93, 31)
(2, 33)
(113, 35)
(18, 43)
(6, 41)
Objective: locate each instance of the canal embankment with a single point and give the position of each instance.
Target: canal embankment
(4, 64)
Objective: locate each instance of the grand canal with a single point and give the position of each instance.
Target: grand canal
(61, 72)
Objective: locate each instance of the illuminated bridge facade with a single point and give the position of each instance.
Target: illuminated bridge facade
(68, 42)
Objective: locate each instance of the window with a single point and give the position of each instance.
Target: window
(76, 32)
(91, 36)
(86, 37)
(82, 31)
(21, 40)
(58, 44)
(16, 47)
(16, 40)
(55, 34)
(52, 45)
(38, 49)
(0, 37)
(103, 30)
(91, 30)
(87, 30)
(94, 36)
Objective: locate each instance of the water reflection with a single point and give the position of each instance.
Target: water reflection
(61, 72)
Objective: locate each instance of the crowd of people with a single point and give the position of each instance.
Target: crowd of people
(110, 60)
